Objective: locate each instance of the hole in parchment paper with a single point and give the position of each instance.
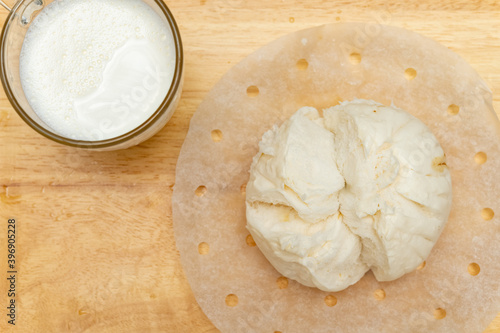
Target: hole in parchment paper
(291, 19)
(231, 300)
(453, 109)
(252, 91)
(473, 269)
(200, 191)
(250, 241)
(421, 266)
(480, 158)
(282, 282)
(302, 64)
(355, 58)
(216, 135)
(439, 313)
(330, 300)
(410, 74)
(379, 294)
(203, 248)
(487, 214)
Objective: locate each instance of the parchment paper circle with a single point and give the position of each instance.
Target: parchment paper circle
(319, 67)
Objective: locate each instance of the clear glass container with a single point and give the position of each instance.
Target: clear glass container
(11, 42)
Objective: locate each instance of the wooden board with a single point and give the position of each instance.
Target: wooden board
(95, 244)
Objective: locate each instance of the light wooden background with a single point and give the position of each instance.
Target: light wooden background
(96, 250)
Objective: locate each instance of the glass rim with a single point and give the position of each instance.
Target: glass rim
(107, 143)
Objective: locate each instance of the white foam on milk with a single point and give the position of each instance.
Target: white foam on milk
(96, 69)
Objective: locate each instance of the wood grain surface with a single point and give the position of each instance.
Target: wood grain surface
(95, 244)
